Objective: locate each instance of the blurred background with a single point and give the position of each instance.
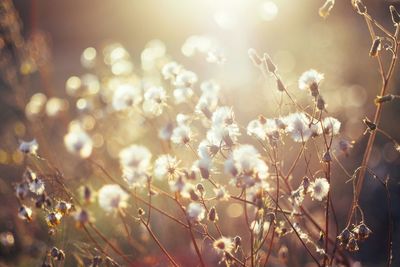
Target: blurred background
(292, 32)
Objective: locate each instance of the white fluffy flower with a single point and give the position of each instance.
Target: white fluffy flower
(165, 164)
(331, 126)
(78, 142)
(223, 244)
(319, 189)
(298, 126)
(221, 193)
(181, 134)
(185, 78)
(28, 147)
(135, 162)
(112, 197)
(126, 96)
(195, 212)
(154, 101)
(182, 94)
(210, 87)
(135, 157)
(245, 160)
(170, 70)
(309, 79)
(223, 116)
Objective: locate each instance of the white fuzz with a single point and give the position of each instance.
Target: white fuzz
(195, 212)
(310, 77)
(319, 189)
(126, 96)
(165, 164)
(112, 197)
(78, 142)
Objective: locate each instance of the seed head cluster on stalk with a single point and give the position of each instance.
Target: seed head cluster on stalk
(182, 159)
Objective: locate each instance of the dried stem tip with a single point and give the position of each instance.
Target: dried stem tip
(269, 65)
(359, 6)
(280, 85)
(376, 46)
(257, 61)
(395, 15)
(326, 8)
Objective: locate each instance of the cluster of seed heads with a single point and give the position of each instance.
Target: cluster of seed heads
(349, 239)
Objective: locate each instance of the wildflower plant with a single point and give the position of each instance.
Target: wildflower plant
(183, 159)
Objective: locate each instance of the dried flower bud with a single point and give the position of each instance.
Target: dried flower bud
(270, 217)
(262, 119)
(327, 157)
(345, 236)
(283, 254)
(305, 183)
(63, 207)
(61, 255)
(395, 15)
(359, 7)
(279, 84)
(326, 8)
(320, 102)
(21, 190)
(257, 61)
(193, 195)
(54, 252)
(87, 194)
(82, 217)
(141, 212)
(376, 46)
(237, 240)
(25, 213)
(200, 188)
(383, 99)
(268, 64)
(205, 173)
(42, 200)
(371, 126)
(53, 219)
(212, 215)
(361, 231)
(352, 246)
